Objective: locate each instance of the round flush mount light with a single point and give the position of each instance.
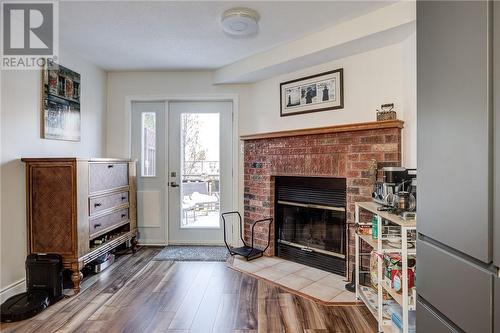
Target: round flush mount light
(240, 21)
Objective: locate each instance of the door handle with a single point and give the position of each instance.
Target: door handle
(174, 184)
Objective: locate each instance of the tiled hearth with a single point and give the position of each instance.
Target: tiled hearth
(344, 154)
(306, 281)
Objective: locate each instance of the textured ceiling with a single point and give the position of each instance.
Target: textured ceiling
(186, 35)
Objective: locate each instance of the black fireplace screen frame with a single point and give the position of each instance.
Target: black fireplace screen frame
(324, 199)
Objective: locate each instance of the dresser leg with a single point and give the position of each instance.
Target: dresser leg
(133, 244)
(76, 278)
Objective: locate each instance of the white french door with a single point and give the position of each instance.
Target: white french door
(200, 170)
(149, 149)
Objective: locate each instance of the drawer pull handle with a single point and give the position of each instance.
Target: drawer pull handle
(110, 166)
(124, 197)
(97, 225)
(123, 215)
(97, 204)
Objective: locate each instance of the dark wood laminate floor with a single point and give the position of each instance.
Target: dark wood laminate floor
(137, 294)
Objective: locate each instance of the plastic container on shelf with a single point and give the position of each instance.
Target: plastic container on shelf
(374, 227)
(397, 318)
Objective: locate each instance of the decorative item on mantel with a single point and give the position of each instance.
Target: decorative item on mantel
(386, 112)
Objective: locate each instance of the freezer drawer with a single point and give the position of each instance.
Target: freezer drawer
(429, 322)
(458, 289)
(496, 306)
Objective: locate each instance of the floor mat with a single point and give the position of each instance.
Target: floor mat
(193, 253)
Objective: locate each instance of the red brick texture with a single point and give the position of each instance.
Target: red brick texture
(345, 155)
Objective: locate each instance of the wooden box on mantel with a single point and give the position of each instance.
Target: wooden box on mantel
(72, 201)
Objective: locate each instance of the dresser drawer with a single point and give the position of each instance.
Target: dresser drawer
(107, 176)
(107, 221)
(99, 204)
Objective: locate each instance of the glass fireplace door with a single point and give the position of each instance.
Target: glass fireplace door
(312, 228)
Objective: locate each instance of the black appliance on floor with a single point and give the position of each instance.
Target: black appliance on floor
(43, 288)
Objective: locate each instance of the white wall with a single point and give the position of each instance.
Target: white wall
(409, 103)
(384, 75)
(20, 137)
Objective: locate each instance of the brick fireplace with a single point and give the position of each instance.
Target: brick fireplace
(344, 151)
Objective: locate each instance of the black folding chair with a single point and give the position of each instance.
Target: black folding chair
(248, 251)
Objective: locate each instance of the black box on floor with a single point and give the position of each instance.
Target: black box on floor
(44, 272)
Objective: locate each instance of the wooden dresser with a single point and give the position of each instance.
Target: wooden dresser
(73, 204)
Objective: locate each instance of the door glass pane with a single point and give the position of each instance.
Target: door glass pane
(148, 145)
(200, 171)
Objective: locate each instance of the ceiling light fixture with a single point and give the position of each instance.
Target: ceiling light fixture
(240, 21)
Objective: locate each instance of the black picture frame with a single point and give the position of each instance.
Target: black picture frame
(302, 95)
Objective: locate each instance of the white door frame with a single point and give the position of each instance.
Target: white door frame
(234, 235)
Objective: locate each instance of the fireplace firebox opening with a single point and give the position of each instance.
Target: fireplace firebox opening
(311, 227)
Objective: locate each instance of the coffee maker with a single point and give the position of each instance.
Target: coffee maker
(397, 190)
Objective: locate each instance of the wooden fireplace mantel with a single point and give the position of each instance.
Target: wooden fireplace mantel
(329, 129)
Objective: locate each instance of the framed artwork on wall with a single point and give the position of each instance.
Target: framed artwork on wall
(320, 92)
(61, 119)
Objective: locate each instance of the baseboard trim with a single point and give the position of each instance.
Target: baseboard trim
(196, 243)
(151, 244)
(12, 289)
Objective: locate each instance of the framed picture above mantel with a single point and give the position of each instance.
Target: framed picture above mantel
(60, 103)
(320, 92)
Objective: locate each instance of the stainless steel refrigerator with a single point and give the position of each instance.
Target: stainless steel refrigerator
(458, 125)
